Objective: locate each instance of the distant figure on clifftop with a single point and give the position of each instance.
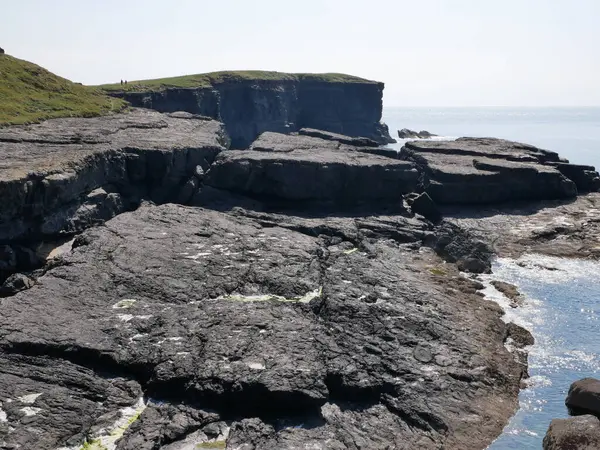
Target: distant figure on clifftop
(121, 82)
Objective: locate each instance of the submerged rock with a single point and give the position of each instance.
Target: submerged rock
(576, 433)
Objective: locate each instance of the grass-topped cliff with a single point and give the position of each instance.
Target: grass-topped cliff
(213, 78)
(30, 93)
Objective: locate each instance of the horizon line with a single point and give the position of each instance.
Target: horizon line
(493, 106)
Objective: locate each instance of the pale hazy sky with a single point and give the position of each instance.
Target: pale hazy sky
(428, 52)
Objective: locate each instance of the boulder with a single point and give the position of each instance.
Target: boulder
(576, 433)
(1, 51)
(486, 171)
(584, 397)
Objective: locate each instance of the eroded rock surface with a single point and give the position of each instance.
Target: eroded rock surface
(316, 310)
(557, 228)
(487, 171)
(251, 107)
(306, 171)
(64, 174)
(291, 332)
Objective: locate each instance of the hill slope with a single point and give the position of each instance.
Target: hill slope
(30, 93)
(210, 79)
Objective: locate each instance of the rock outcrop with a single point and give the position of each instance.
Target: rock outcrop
(486, 171)
(251, 107)
(290, 331)
(405, 133)
(305, 172)
(297, 301)
(584, 397)
(576, 433)
(64, 175)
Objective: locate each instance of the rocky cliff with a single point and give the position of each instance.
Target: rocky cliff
(248, 107)
(291, 299)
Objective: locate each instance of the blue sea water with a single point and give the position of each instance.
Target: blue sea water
(572, 132)
(562, 306)
(562, 311)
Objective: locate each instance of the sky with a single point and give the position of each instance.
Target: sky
(427, 52)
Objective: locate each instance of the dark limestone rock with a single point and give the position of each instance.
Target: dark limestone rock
(291, 330)
(585, 177)
(405, 133)
(484, 170)
(277, 142)
(251, 107)
(584, 397)
(17, 258)
(520, 336)
(15, 283)
(163, 423)
(576, 433)
(510, 291)
(353, 141)
(457, 245)
(49, 403)
(63, 175)
(300, 171)
(422, 204)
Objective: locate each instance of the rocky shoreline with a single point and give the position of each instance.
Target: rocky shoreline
(286, 295)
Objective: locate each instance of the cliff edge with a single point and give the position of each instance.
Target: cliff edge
(252, 102)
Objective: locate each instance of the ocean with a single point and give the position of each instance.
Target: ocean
(572, 132)
(562, 305)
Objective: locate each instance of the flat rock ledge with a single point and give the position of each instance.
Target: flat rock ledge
(329, 333)
(488, 171)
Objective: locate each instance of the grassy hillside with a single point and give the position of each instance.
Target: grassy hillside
(29, 93)
(210, 79)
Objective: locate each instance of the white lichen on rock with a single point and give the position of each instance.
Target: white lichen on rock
(306, 298)
(125, 303)
(28, 399)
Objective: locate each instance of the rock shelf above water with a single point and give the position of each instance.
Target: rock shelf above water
(295, 296)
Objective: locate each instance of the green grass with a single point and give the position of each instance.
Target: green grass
(212, 445)
(214, 78)
(30, 93)
(93, 445)
(438, 271)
